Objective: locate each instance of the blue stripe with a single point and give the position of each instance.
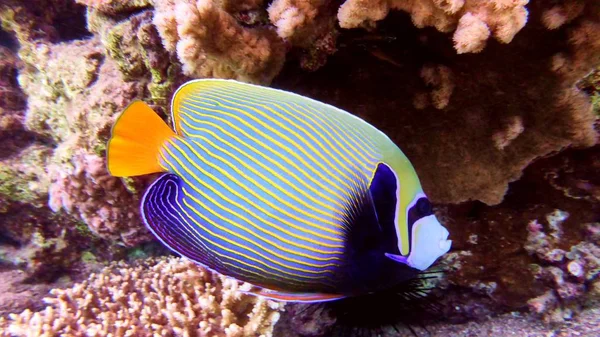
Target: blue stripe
(168, 217)
(268, 185)
(272, 145)
(310, 112)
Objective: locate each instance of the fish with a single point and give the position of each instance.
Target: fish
(302, 200)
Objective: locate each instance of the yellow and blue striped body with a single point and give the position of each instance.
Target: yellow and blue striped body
(277, 189)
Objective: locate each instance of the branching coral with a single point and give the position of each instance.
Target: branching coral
(301, 21)
(165, 297)
(308, 25)
(291, 16)
(210, 43)
(472, 21)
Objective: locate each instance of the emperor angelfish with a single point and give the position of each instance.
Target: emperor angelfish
(303, 200)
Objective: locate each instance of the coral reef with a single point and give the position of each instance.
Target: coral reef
(166, 297)
(501, 108)
(57, 103)
(99, 204)
(474, 92)
(29, 237)
(42, 20)
(115, 7)
(538, 249)
(75, 107)
(524, 254)
(219, 47)
(569, 275)
(440, 79)
(472, 21)
(19, 150)
(18, 293)
(517, 324)
(135, 46)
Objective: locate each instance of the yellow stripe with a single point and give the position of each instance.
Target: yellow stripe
(317, 114)
(267, 191)
(274, 141)
(248, 258)
(241, 237)
(262, 276)
(173, 169)
(251, 249)
(239, 183)
(349, 129)
(267, 168)
(217, 192)
(187, 194)
(291, 131)
(278, 154)
(358, 139)
(335, 148)
(328, 142)
(348, 149)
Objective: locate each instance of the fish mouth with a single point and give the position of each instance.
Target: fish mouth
(445, 245)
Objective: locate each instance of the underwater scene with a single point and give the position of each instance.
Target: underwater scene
(299, 168)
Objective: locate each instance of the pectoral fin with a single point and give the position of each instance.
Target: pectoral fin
(397, 258)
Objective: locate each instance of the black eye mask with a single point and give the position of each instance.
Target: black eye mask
(420, 209)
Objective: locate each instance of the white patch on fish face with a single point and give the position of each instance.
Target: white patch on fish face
(429, 239)
(429, 242)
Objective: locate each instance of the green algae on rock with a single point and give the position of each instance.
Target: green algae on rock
(134, 44)
(23, 178)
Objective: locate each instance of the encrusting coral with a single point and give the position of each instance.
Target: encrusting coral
(135, 46)
(41, 20)
(116, 6)
(568, 275)
(84, 187)
(162, 297)
(75, 106)
(27, 239)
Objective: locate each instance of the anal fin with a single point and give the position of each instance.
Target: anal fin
(293, 297)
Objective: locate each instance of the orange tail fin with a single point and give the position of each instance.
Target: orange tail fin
(135, 142)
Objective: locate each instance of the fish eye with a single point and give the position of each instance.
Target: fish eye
(424, 207)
